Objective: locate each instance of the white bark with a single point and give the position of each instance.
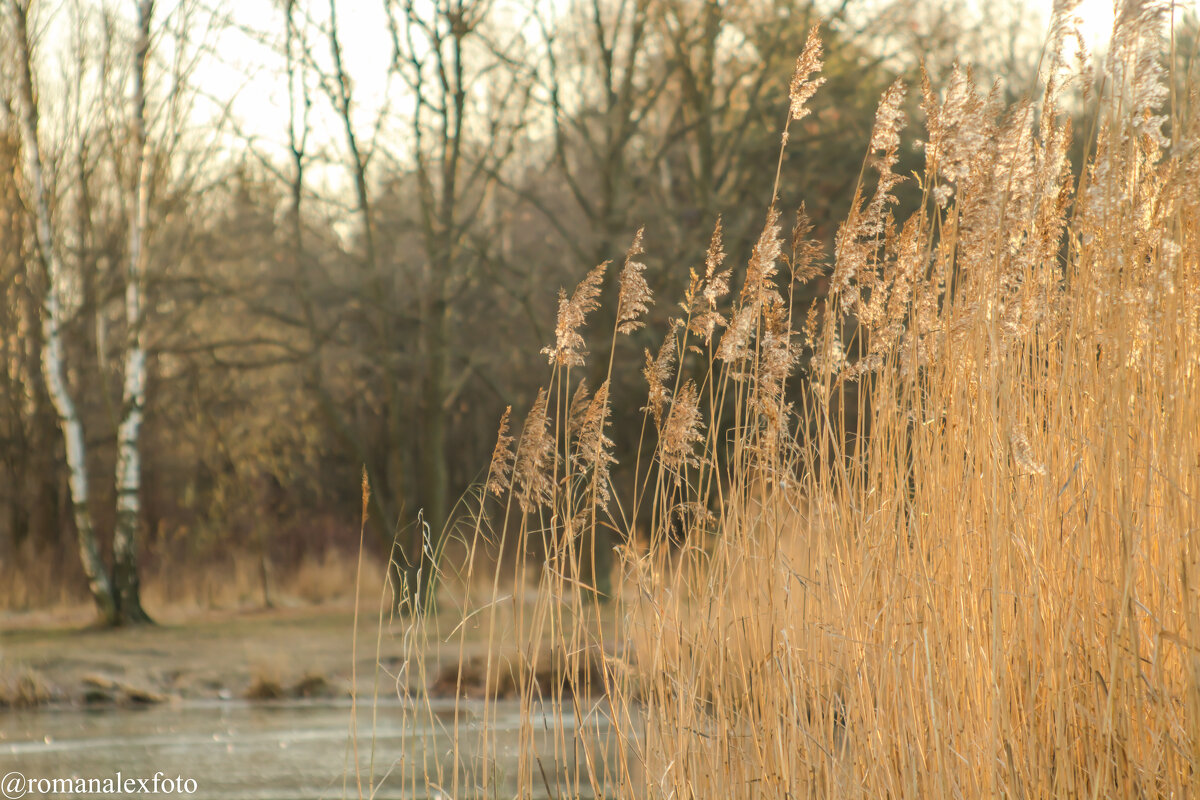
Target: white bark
(133, 400)
(53, 367)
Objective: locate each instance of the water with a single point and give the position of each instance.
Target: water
(287, 751)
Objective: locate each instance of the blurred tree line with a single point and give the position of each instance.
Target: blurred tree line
(371, 287)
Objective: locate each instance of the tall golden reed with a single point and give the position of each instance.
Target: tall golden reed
(977, 575)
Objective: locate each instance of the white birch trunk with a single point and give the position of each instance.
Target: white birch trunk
(133, 400)
(52, 351)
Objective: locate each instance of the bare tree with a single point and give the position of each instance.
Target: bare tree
(53, 366)
(460, 137)
(133, 400)
(602, 79)
(114, 190)
(381, 456)
(30, 494)
(470, 93)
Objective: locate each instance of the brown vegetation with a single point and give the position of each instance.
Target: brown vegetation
(23, 688)
(974, 575)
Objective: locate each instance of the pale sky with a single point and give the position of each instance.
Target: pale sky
(1097, 19)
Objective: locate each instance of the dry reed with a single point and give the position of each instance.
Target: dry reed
(993, 592)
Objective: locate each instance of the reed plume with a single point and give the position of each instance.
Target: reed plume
(658, 371)
(502, 458)
(568, 348)
(704, 293)
(635, 296)
(593, 449)
(535, 458)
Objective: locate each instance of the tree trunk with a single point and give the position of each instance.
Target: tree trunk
(431, 444)
(133, 398)
(52, 352)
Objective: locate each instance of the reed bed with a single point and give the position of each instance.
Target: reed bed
(936, 536)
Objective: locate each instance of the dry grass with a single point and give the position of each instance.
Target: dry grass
(277, 679)
(974, 576)
(24, 687)
(235, 581)
(266, 682)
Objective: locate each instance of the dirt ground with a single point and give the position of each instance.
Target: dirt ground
(291, 652)
(295, 651)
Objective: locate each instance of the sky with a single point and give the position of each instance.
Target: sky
(1097, 19)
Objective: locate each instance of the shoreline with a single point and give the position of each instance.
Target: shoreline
(252, 655)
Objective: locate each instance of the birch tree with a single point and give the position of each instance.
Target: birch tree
(115, 593)
(133, 400)
(50, 265)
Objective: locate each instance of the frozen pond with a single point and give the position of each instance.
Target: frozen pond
(295, 750)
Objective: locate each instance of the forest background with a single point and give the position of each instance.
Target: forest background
(265, 248)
